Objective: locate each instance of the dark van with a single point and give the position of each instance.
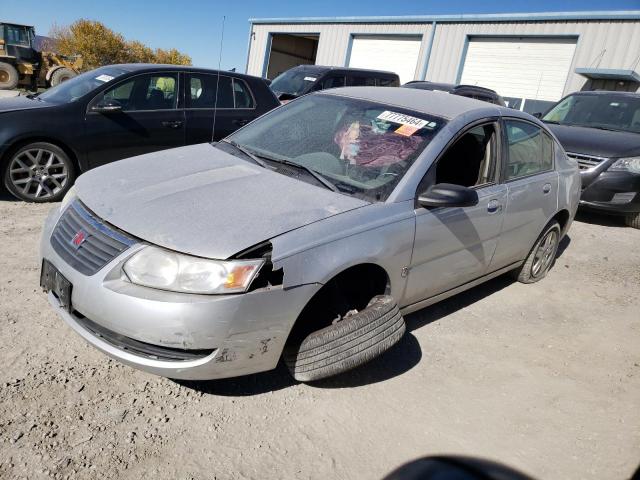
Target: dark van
(303, 79)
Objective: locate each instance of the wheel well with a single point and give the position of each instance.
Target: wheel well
(562, 217)
(26, 141)
(352, 288)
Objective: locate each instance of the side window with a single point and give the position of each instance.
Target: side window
(386, 82)
(145, 92)
(530, 150)
(472, 160)
(201, 91)
(242, 94)
(121, 94)
(358, 81)
(17, 36)
(333, 82)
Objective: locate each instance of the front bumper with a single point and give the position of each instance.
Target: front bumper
(244, 333)
(611, 192)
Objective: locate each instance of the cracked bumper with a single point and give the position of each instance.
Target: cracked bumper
(244, 333)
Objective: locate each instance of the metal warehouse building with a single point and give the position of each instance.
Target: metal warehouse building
(530, 59)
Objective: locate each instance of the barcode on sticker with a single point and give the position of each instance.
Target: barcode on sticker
(402, 119)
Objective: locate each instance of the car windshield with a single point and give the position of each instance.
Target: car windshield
(609, 112)
(360, 148)
(76, 87)
(296, 81)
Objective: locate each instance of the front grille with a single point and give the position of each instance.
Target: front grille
(141, 349)
(96, 243)
(586, 162)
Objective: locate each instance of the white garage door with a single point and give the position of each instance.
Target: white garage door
(524, 68)
(396, 54)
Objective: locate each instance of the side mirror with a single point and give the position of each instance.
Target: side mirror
(538, 114)
(107, 106)
(448, 195)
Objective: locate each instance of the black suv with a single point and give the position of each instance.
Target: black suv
(601, 130)
(303, 79)
(469, 91)
(115, 112)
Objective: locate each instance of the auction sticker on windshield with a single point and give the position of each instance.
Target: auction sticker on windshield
(403, 119)
(310, 79)
(104, 78)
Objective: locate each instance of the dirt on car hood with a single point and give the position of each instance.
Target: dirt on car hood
(203, 201)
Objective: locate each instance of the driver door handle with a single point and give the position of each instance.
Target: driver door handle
(172, 124)
(494, 206)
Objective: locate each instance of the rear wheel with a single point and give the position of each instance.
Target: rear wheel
(8, 76)
(39, 172)
(61, 75)
(633, 220)
(541, 257)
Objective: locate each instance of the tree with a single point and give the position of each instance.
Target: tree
(99, 45)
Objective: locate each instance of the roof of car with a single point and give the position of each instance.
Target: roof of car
(142, 67)
(326, 68)
(608, 92)
(436, 103)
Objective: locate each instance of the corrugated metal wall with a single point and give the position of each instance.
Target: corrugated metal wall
(334, 40)
(603, 44)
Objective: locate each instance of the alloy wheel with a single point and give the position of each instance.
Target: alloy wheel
(545, 253)
(38, 173)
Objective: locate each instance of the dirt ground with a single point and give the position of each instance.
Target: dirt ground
(543, 377)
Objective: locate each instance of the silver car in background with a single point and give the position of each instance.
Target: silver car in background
(307, 234)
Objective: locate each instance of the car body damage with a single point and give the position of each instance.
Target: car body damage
(305, 235)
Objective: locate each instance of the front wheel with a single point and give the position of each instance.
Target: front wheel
(39, 172)
(354, 340)
(541, 257)
(633, 220)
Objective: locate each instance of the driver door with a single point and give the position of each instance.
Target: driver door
(149, 119)
(455, 245)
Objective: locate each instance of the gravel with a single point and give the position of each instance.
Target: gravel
(543, 377)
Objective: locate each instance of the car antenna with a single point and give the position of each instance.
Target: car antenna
(215, 104)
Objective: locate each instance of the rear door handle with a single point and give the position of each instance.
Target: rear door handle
(172, 124)
(494, 206)
(547, 188)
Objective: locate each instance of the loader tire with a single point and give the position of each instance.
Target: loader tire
(61, 75)
(8, 76)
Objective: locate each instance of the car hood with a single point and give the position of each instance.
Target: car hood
(20, 103)
(203, 201)
(593, 141)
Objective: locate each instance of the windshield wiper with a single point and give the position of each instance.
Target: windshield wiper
(611, 129)
(310, 171)
(247, 153)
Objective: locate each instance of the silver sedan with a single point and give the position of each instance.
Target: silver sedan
(307, 234)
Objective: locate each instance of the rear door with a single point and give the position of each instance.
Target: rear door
(149, 120)
(224, 102)
(532, 184)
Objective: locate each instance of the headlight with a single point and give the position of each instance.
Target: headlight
(68, 198)
(159, 268)
(631, 164)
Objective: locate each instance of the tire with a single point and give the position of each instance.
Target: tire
(38, 172)
(348, 343)
(543, 251)
(632, 220)
(61, 75)
(8, 76)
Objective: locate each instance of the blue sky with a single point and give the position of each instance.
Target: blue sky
(193, 26)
